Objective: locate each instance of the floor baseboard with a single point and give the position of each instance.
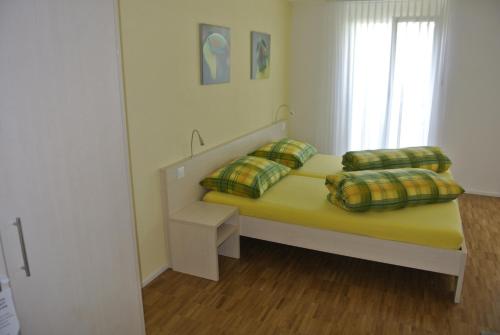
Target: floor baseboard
(486, 193)
(154, 275)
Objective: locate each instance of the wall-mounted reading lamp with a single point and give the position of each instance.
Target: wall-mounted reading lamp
(280, 107)
(200, 140)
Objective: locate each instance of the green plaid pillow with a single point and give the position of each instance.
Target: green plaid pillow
(361, 191)
(430, 158)
(288, 152)
(247, 176)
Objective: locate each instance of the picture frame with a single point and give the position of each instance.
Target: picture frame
(260, 55)
(215, 54)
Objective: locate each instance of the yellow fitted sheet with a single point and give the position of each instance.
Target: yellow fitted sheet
(319, 166)
(302, 200)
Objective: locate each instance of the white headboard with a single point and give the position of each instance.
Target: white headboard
(180, 192)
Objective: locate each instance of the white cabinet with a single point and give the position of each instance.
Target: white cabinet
(64, 170)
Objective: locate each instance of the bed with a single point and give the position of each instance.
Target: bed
(295, 212)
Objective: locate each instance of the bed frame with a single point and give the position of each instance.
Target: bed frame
(179, 193)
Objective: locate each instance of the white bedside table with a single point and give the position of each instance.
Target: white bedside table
(199, 233)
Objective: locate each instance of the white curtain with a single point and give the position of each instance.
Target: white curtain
(386, 72)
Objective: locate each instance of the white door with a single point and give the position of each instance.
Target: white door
(64, 169)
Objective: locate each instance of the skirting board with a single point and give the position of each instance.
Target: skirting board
(146, 281)
(485, 193)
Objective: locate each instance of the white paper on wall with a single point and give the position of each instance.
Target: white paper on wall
(9, 323)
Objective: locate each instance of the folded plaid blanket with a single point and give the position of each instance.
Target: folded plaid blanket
(361, 191)
(430, 158)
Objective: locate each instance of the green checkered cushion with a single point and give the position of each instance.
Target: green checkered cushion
(247, 176)
(430, 158)
(288, 152)
(361, 191)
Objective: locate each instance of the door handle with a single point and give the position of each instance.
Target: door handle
(26, 266)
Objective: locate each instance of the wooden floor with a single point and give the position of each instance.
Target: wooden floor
(277, 289)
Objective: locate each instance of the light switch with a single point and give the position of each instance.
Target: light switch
(180, 172)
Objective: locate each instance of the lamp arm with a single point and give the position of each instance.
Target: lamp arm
(200, 139)
(192, 137)
(276, 114)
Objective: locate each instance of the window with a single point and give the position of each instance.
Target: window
(387, 69)
(410, 89)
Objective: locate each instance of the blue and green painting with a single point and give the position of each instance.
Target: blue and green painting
(215, 54)
(261, 55)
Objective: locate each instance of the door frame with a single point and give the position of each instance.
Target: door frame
(123, 107)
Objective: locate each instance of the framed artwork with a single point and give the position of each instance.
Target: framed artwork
(261, 55)
(215, 48)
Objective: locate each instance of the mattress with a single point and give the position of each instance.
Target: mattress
(302, 201)
(319, 166)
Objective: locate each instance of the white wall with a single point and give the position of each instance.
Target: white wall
(470, 133)
(165, 100)
(309, 73)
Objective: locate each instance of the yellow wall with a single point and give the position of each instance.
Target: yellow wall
(165, 101)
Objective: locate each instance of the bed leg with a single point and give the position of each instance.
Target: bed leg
(460, 278)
